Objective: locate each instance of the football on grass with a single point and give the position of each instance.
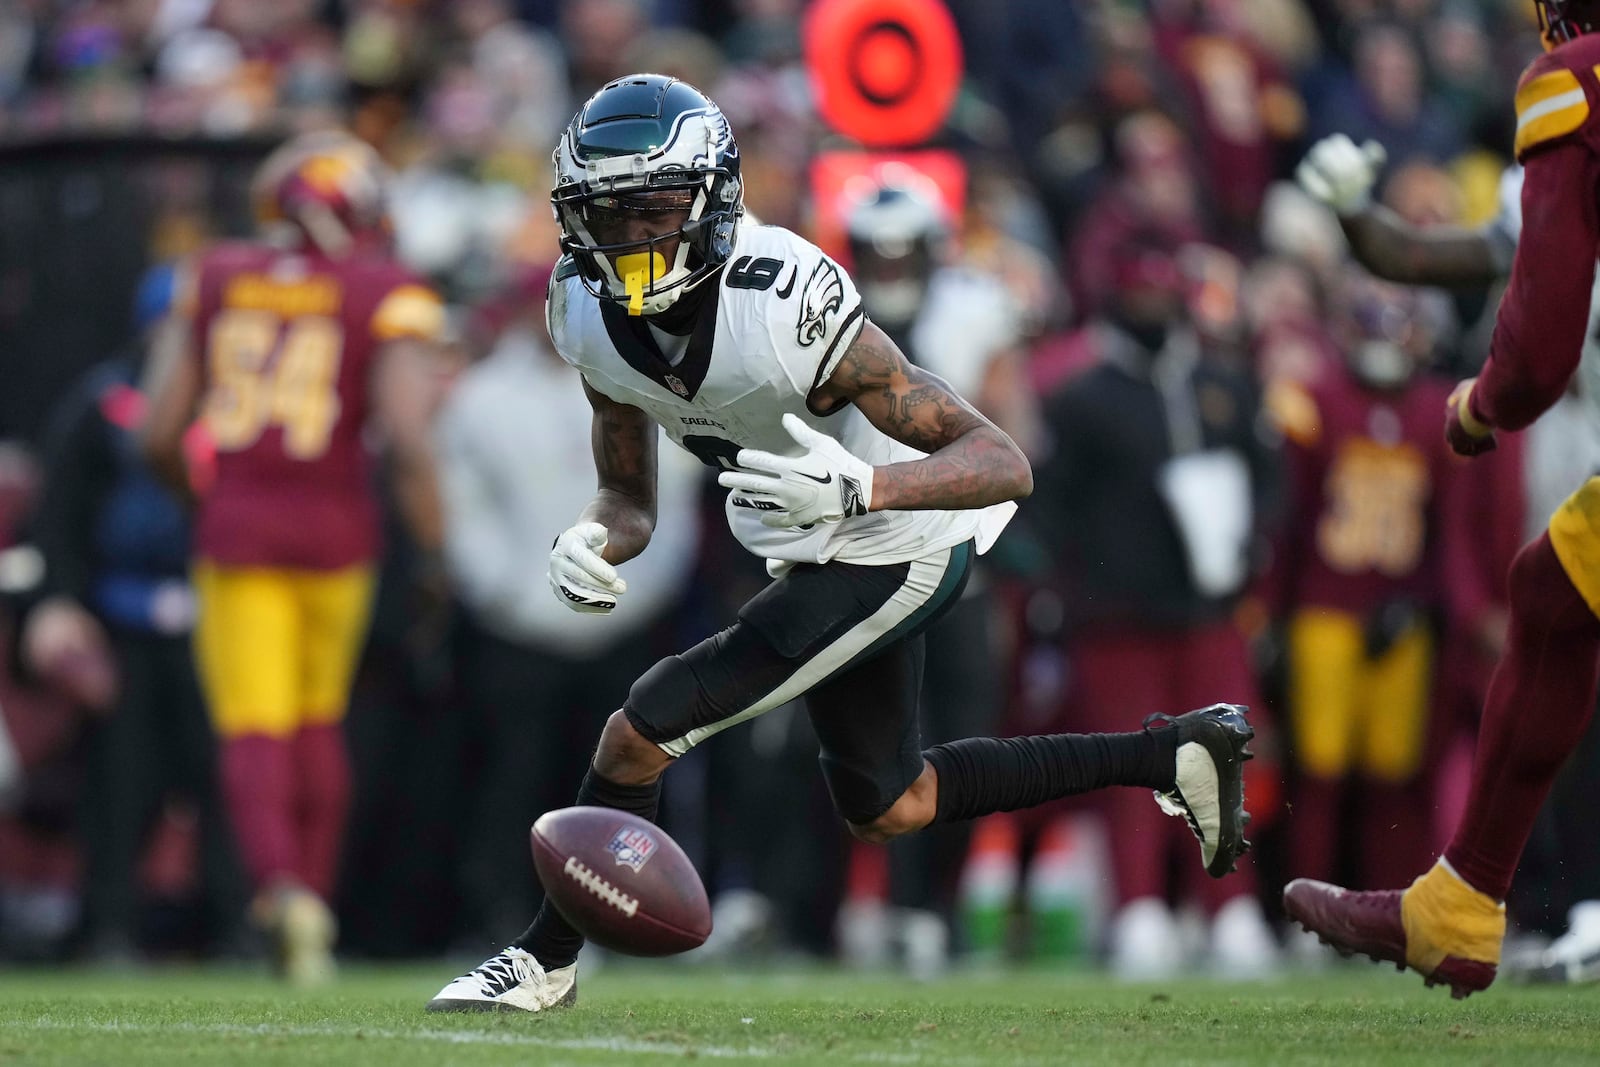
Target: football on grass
(621, 881)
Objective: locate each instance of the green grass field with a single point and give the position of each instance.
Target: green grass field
(651, 1015)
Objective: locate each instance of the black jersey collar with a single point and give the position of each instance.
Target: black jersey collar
(634, 342)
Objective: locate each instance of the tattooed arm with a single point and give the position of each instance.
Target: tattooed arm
(624, 442)
(971, 463)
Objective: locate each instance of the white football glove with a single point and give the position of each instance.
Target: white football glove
(824, 485)
(1340, 174)
(581, 579)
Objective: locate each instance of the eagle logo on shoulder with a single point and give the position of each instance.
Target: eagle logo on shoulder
(822, 296)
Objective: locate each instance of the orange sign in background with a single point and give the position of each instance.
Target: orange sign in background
(886, 73)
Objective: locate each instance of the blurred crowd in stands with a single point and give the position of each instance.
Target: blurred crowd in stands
(1242, 492)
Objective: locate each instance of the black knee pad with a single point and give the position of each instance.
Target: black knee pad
(862, 793)
(662, 704)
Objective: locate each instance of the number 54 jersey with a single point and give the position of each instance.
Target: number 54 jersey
(774, 325)
(287, 342)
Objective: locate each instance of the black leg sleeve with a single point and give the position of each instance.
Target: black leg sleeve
(981, 775)
(551, 939)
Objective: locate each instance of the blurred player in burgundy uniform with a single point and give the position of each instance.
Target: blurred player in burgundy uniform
(1450, 923)
(1241, 107)
(1356, 577)
(292, 343)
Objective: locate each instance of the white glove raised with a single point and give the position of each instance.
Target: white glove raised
(581, 579)
(824, 485)
(1340, 174)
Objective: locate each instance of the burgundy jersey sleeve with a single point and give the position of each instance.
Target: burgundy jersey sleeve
(1544, 315)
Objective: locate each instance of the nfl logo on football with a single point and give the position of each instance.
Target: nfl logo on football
(631, 847)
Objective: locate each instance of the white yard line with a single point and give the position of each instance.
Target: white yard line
(464, 1037)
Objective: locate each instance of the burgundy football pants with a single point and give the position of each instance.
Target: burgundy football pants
(1124, 676)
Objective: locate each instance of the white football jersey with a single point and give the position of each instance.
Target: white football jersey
(777, 324)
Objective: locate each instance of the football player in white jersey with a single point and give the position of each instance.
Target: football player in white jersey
(866, 483)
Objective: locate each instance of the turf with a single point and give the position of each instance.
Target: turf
(636, 1015)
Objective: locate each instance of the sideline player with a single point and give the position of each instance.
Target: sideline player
(288, 344)
(1353, 579)
(1449, 925)
(865, 482)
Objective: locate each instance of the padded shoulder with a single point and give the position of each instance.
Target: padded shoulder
(785, 290)
(1556, 95)
(564, 297)
(409, 309)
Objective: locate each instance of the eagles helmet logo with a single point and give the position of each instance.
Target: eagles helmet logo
(823, 295)
(719, 138)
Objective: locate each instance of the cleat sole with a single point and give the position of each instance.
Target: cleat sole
(1225, 734)
(474, 1006)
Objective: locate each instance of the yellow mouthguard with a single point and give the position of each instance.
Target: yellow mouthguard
(637, 270)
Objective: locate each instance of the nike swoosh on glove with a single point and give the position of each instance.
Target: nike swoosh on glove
(824, 484)
(1341, 174)
(581, 579)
